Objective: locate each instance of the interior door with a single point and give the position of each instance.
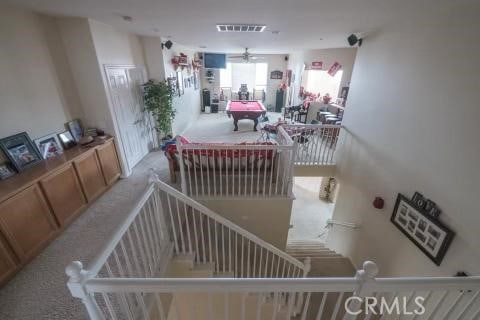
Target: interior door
(124, 86)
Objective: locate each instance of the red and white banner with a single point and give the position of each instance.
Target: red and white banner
(317, 65)
(334, 69)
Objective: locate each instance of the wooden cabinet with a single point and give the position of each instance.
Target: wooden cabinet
(64, 194)
(109, 162)
(37, 204)
(90, 175)
(8, 264)
(26, 222)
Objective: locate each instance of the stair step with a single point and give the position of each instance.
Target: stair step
(204, 270)
(331, 267)
(317, 255)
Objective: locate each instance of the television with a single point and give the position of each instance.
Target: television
(215, 60)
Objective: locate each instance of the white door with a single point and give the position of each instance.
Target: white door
(126, 99)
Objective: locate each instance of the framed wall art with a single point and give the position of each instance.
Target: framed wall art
(49, 146)
(427, 233)
(21, 151)
(180, 84)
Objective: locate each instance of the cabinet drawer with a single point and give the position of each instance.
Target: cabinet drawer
(26, 222)
(90, 175)
(64, 193)
(107, 156)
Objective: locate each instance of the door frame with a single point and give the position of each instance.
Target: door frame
(120, 145)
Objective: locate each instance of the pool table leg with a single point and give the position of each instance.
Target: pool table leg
(255, 122)
(235, 123)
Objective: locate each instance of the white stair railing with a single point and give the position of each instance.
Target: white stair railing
(317, 143)
(424, 298)
(210, 170)
(166, 222)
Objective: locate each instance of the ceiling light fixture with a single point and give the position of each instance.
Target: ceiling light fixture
(275, 32)
(127, 18)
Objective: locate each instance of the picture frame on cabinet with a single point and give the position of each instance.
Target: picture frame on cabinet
(49, 146)
(6, 171)
(75, 128)
(20, 151)
(67, 140)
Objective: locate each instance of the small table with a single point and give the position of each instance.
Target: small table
(240, 109)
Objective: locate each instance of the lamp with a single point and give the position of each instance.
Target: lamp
(168, 44)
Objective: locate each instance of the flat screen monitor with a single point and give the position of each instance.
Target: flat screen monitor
(215, 60)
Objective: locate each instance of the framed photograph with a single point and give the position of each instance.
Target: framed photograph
(427, 233)
(66, 139)
(172, 83)
(49, 146)
(196, 83)
(75, 128)
(21, 151)
(6, 171)
(180, 85)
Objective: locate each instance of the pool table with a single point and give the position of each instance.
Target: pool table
(245, 109)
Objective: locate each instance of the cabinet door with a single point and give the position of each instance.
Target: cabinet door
(64, 193)
(8, 265)
(90, 175)
(109, 162)
(26, 222)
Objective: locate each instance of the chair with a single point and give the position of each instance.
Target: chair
(266, 129)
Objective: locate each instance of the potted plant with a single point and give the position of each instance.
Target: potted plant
(158, 98)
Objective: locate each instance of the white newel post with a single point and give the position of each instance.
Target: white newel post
(153, 176)
(366, 275)
(183, 180)
(75, 284)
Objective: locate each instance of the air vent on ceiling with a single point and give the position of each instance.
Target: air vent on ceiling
(241, 27)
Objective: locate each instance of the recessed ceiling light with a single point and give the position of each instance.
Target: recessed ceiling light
(127, 18)
(169, 37)
(320, 39)
(275, 32)
(202, 47)
(155, 30)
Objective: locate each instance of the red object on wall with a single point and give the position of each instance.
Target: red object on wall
(378, 203)
(334, 68)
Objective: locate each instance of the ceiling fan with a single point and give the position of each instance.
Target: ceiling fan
(246, 56)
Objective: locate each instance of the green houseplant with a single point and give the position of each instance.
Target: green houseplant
(158, 97)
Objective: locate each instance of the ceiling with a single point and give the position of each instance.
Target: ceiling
(302, 24)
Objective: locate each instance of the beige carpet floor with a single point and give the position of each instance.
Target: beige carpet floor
(39, 290)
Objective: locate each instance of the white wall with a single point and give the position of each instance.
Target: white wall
(187, 105)
(152, 47)
(413, 115)
(344, 56)
(78, 43)
(37, 93)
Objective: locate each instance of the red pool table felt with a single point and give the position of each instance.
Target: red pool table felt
(239, 106)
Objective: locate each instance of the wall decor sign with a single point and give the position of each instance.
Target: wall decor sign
(49, 146)
(316, 65)
(276, 75)
(21, 151)
(334, 69)
(426, 205)
(427, 233)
